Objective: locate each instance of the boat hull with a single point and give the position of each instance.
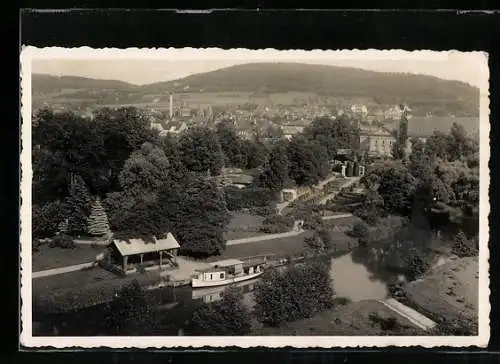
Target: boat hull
(198, 283)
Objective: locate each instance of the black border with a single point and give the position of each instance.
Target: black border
(410, 30)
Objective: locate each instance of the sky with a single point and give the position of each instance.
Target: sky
(143, 67)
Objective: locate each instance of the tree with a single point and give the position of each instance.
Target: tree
(334, 134)
(47, 217)
(371, 208)
(226, 317)
(231, 144)
(147, 169)
(459, 143)
(130, 312)
(98, 224)
(308, 161)
(201, 151)
(396, 187)
(321, 242)
(417, 150)
(464, 247)
(436, 146)
(254, 152)
(296, 293)
(275, 172)
(79, 204)
(198, 214)
(361, 232)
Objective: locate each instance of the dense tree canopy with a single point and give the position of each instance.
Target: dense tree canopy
(308, 161)
(201, 151)
(275, 174)
(334, 134)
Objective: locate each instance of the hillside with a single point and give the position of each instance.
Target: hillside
(52, 84)
(384, 88)
(423, 93)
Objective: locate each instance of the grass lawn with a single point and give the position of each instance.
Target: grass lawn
(48, 258)
(349, 320)
(450, 291)
(290, 245)
(81, 288)
(244, 225)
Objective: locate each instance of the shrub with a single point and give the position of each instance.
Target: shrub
(130, 312)
(46, 218)
(226, 317)
(417, 263)
(277, 224)
(456, 327)
(63, 241)
(464, 247)
(296, 293)
(361, 232)
(237, 199)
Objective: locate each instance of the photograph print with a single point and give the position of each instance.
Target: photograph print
(209, 197)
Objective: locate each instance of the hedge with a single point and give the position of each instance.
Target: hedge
(237, 199)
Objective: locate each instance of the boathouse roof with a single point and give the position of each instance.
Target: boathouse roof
(140, 246)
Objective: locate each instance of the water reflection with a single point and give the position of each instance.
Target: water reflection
(354, 281)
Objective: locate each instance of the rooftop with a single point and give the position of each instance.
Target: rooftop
(140, 246)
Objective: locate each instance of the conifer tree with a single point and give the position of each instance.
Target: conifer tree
(79, 203)
(98, 224)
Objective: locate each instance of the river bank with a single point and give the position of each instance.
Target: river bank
(363, 318)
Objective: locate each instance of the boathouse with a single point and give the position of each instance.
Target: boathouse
(130, 255)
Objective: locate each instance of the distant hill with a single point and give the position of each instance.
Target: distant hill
(419, 91)
(53, 84)
(423, 93)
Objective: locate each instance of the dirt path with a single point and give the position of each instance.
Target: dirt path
(61, 270)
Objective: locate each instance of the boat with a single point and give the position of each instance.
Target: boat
(228, 271)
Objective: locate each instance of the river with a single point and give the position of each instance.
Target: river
(351, 279)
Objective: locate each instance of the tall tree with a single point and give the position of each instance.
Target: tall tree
(79, 204)
(201, 151)
(199, 216)
(460, 144)
(308, 161)
(397, 187)
(231, 143)
(147, 169)
(275, 172)
(334, 134)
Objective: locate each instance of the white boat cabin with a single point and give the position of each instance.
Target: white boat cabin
(229, 269)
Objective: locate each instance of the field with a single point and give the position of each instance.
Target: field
(451, 290)
(48, 258)
(352, 319)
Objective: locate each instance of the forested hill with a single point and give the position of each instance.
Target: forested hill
(41, 83)
(384, 88)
